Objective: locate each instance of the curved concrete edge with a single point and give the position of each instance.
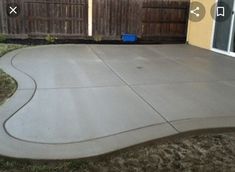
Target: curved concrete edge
(23, 81)
(12, 147)
(19, 149)
(185, 125)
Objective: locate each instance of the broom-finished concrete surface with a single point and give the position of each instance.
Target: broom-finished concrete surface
(75, 101)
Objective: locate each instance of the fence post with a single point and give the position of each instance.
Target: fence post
(90, 4)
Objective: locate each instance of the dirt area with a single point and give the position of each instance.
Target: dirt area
(204, 152)
(209, 152)
(7, 86)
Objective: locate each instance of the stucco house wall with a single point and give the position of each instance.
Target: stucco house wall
(201, 33)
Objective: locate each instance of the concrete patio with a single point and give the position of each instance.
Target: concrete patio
(76, 101)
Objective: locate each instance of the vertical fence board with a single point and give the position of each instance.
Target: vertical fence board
(4, 17)
(1, 16)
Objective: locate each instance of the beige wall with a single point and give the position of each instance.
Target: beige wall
(200, 33)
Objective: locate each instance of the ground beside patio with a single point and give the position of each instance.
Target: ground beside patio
(7, 86)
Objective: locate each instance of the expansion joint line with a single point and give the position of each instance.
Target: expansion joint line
(129, 86)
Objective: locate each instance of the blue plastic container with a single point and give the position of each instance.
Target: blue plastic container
(129, 37)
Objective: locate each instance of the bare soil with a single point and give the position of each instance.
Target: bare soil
(204, 152)
(8, 86)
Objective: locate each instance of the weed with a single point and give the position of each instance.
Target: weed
(98, 38)
(50, 39)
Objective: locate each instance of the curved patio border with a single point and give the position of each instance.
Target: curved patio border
(13, 147)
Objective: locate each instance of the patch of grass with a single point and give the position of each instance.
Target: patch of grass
(5, 48)
(50, 39)
(205, 152)
(2, 38)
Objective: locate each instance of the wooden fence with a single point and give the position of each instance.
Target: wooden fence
(165, 19)
(111, 18)
(62, 18)
(149, 19)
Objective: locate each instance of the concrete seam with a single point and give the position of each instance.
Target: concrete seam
(110, 68)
